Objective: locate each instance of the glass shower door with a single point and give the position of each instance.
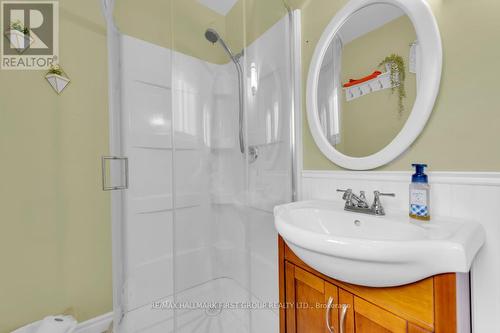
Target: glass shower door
(269, 114)
(144, 122)
(148, 209)
(225, 248)
(199, 248)
(210, 258)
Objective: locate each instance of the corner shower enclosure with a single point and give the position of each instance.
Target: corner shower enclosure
(195, 178)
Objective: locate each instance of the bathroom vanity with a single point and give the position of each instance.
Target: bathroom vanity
(313, 301)
(344, 271)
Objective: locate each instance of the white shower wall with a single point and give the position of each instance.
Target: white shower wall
(169, 180)
(198, 216)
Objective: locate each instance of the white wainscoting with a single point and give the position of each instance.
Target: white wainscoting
(473, 196)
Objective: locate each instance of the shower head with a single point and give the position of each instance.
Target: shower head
(212, 35)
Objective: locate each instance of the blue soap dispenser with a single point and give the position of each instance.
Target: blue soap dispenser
(420, 194)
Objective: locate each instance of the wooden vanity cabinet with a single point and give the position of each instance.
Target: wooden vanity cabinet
(306, 298)
(422, 307)
(365, 317)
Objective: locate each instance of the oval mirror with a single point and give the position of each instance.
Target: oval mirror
(373, 81)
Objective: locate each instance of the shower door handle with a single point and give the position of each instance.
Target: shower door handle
(104, 162)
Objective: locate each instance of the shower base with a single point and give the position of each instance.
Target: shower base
(216, 306)
(216, 312)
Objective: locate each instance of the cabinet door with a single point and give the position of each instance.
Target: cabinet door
(364, 317)
(310, 302)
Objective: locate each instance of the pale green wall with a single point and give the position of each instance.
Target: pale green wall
(173, 24)
(181, 25)
(464, 130)
(55, 246)
(249, 19)
(370, 122)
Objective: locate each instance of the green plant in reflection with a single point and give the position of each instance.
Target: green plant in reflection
(398, 76)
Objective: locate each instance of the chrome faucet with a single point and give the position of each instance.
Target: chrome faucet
(358, 204)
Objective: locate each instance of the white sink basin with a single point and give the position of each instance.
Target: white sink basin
(376, 251)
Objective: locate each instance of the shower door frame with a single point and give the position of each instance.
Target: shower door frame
(295, 26)
(115, 149)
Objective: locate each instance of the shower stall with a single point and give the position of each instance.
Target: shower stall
(203, 117)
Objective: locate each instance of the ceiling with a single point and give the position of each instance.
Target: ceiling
(368, 19)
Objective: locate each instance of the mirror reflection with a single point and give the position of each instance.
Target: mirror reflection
(368, 80)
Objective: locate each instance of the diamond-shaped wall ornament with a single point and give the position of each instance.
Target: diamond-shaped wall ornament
(19, 40)
(57, 78)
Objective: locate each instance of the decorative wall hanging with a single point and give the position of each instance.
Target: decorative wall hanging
(393, 78)
(57, 78)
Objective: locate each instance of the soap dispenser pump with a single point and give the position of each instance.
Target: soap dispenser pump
(420, 194)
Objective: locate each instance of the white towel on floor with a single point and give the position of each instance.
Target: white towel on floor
(57, 324)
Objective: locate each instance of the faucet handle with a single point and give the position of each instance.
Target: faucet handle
(377, 193)
(347, 194)
(377, 207)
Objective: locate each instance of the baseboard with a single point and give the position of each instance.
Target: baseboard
(95, 325)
